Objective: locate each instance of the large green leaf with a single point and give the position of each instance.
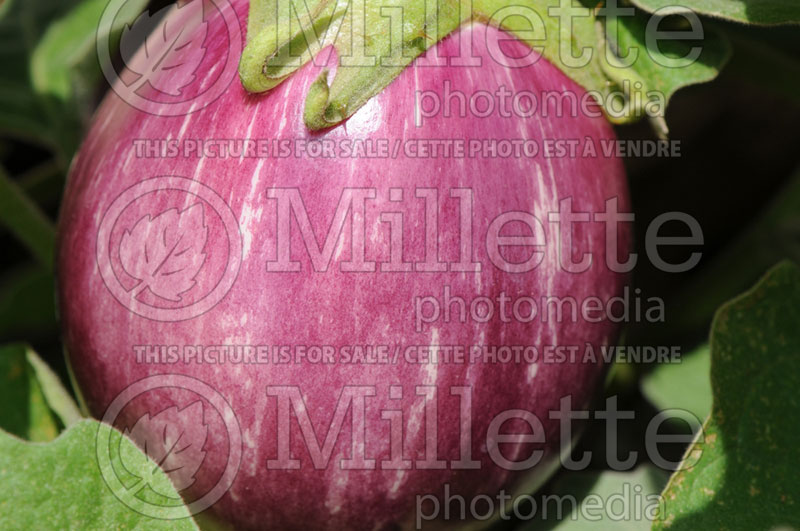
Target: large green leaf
(683, 385)
(747, 11)
(59, 485)
(742, 471)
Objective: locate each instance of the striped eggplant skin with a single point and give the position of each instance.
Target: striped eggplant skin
(336, 307)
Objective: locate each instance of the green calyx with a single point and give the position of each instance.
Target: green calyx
(375, 40)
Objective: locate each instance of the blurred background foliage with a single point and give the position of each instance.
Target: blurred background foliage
(738, 175)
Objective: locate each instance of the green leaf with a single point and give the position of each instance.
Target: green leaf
(683, 385)
(64, 63)
(25, 411)
(600, 497)
(26, 221)
(36, 403)
(50, 68)
(741, 472)
(747, 11)
(59, 485)
(663, 67)
(25, 113)
(59, 400)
